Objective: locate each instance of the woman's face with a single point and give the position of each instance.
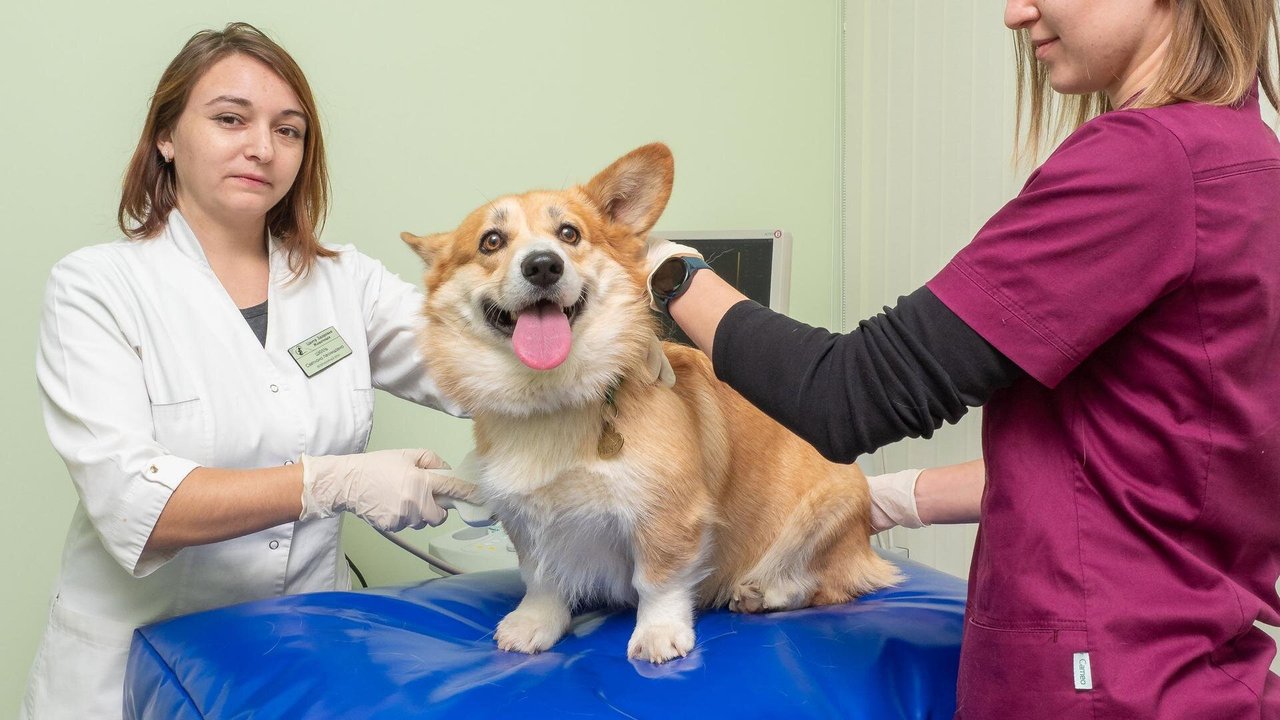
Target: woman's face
(1114, 46)
(238, 144)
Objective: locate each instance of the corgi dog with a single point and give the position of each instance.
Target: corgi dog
(616, 486)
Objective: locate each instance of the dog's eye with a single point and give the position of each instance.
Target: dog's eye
(492, 241)
(570, 234)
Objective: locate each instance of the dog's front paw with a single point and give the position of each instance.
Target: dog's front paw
(528, 632)
(660, 642)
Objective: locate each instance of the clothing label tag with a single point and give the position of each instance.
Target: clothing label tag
(319, 351)
(1083, 674)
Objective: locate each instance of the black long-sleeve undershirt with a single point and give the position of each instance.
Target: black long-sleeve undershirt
(899, 374)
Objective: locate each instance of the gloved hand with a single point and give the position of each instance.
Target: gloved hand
(389, 489)
(455, 489)
(658, 250)
(659, 366)
(893, 500)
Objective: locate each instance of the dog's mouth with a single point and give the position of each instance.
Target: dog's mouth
(541, 334)
(504, 321)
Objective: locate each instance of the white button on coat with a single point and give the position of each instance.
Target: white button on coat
(148, 370)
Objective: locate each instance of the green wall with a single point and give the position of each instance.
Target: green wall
(430, 109)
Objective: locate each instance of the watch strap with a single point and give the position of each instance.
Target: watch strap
(692, 264)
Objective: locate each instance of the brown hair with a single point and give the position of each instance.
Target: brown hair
(149, 192)
(1216, 50)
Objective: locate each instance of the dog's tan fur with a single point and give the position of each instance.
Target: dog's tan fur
(709, 503)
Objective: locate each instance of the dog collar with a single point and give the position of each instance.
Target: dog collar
(611, 441)
(658, 372)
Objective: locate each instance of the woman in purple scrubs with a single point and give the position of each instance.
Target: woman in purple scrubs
(1120, 322)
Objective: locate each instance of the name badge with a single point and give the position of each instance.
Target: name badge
(319, 351)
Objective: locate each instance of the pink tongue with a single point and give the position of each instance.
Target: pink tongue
(542, 336)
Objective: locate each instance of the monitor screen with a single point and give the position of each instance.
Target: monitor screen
(756, 262)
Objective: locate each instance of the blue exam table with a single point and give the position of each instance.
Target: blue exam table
(427, 651)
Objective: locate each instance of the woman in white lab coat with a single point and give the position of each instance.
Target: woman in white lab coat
(209, 380)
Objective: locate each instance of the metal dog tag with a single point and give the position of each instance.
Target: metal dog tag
(610, 442)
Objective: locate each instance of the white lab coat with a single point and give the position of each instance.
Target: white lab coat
(148, 370)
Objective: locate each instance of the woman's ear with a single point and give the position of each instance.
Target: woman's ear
(164, 144)
(634, 190)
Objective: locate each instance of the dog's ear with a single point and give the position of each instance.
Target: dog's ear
(424, 246)
(634, 190)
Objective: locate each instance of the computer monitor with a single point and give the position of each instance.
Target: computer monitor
(756, 262)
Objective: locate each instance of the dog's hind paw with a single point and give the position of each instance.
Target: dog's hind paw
(660, 642)
(783, 594)
(747, 598)
(527, 633)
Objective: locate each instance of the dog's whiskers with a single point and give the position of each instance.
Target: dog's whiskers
(492, 313)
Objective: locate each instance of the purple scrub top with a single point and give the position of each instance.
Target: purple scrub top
(1130, 530)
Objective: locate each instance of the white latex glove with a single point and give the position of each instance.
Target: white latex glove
(389, 489)
(658, 250)
(659, 366)
(455, 489)
(893, 500)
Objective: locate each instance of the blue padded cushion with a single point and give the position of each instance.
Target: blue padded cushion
(427, 652)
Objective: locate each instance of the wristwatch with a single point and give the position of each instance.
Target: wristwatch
(672, 279)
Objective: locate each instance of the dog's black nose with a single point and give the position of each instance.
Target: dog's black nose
(542, 269)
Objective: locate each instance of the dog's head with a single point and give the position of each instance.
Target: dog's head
(537, 302)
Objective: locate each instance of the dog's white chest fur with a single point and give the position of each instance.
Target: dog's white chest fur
(573, 519)
(587, 556)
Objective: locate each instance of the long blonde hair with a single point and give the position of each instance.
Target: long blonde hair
(150, 186)
(1216, 50)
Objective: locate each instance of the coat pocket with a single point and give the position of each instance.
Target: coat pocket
(362, 412)
(79, 668)
(1017, 671)
(183, 429)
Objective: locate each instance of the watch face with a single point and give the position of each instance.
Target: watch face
(668, 276)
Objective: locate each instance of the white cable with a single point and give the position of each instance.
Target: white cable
(429, 559)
